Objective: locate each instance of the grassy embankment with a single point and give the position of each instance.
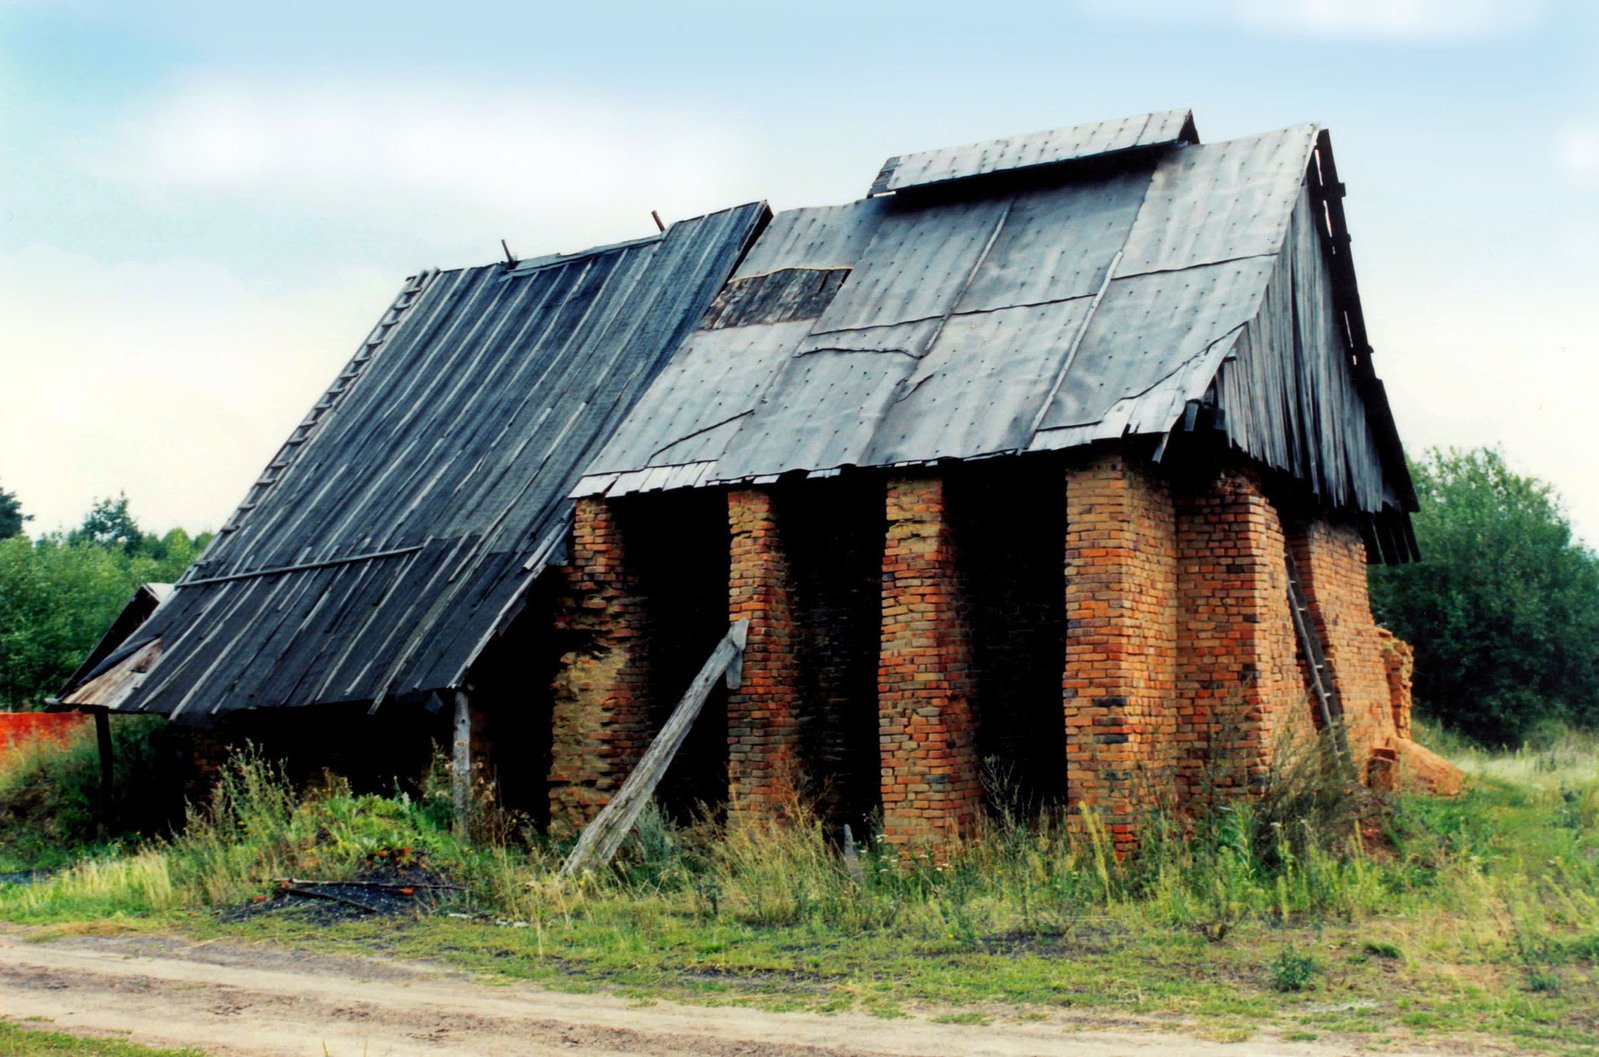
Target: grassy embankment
(1416, 918)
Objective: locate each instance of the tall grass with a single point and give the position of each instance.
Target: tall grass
(1514, 863)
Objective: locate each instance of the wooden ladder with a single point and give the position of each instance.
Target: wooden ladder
(1320, 676)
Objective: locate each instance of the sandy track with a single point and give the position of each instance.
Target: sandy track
(230, 999)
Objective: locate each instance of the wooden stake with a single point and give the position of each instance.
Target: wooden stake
(461, 764)
(102, 736)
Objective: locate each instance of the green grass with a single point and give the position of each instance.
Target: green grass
(1420, 918)
(18, 1041)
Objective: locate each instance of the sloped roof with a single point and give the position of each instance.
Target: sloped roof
(1027, 297)
(402, 521)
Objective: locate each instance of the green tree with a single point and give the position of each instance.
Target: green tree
(59, 594)
(109, 524)
(1503, 609)
(11, 515)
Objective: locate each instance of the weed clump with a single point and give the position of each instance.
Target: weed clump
(1292, 970)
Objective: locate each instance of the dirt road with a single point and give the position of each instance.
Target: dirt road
(236, 999)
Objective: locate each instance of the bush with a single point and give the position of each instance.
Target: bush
(1291, 970)
(1503, 609)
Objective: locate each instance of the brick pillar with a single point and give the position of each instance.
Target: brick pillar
(1120, 677)
(931, 787)
(1332, 566)
(1240, 687)
(600, 715)
(762, 722)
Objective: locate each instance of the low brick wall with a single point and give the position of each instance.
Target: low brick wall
(19, 730)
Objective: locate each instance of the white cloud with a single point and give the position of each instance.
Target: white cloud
(1413, 20)
(1578, 152)
(551, 164)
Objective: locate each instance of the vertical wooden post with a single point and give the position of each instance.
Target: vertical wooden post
(461, 764)
(102, 736)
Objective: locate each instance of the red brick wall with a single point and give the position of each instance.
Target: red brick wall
(600, 716)
(1332, 567)
(1240, 688)
(20, 729)
(762, 722)
(931, 785)
(1121, 640)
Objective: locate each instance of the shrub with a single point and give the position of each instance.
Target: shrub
(1292, 970)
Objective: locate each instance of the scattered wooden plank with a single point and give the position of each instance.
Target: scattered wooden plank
(301, 882)
(599, 842)
(311, 893)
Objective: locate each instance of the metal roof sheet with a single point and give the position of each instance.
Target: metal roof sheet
(1052, 147)
(394, 536)
(1037, 315)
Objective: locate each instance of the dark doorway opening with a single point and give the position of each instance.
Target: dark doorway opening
(1009, 522)
(676, 546)
(833, 532)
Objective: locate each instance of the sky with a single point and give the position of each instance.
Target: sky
(204, 208)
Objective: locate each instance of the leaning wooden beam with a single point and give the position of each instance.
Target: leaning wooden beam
(600, 840)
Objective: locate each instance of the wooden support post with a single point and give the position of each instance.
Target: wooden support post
(102, 736)
(461, 764)
(601, 839)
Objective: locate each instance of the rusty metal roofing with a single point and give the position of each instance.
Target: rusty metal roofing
(398, 528)
(1054, 147)
(1036, 314)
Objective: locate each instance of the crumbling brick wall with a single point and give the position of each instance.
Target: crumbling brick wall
(1120, 675)
(1399, 663)
(599, 714)
(1331, 559)
(932, 790)
(1241, 692)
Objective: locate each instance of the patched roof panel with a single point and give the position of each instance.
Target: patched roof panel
(1053, 147)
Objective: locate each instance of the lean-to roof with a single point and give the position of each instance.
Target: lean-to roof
(406, 515)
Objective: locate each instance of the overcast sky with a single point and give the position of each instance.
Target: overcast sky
(202, 213)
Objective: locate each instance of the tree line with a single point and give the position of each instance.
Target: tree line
(59, 592)
(1503, 609)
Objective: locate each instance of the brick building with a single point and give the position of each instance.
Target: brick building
(1018, 468)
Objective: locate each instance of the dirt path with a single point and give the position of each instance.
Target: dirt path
(236, 999)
